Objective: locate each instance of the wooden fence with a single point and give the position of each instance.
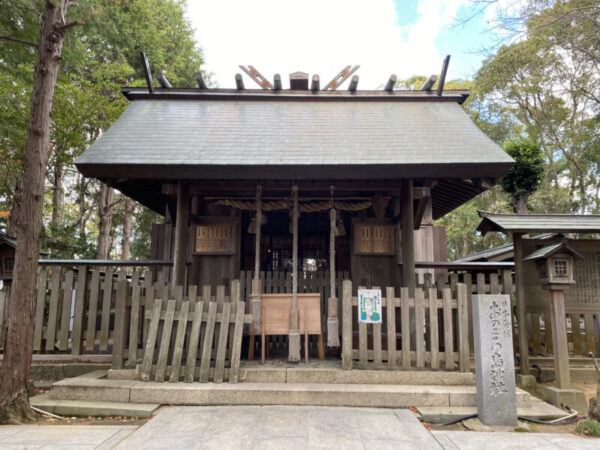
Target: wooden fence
(441, 330)
(169, 332)
(77, 315)
(75, 307)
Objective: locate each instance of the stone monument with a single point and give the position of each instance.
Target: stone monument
(494, 361)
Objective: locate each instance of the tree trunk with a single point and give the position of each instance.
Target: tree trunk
(11, 227)
(14, 401)
(58, 194)
(127, 227)
(105, 213)
(520, 203)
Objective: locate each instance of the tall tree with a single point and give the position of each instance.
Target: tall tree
(525, 177)
(14, 402)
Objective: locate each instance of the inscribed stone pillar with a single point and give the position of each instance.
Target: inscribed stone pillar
(494, 362)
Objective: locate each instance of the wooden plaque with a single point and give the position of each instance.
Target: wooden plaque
(374, 239)
(276, 313)
(214, 239)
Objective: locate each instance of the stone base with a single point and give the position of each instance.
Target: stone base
(574, 398)
(526, 380)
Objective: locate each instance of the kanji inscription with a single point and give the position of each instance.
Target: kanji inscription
(214, 239)
(375, 239)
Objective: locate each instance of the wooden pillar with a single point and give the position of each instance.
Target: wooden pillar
(181, 235)
(559, 339)
(520, 292)
(407, 237)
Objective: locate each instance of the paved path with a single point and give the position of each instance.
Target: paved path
(281, 427)
(278, 427)
(467, 440)
(63, 436)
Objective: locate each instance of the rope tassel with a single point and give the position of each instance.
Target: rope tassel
(333, 324)
(294, 333)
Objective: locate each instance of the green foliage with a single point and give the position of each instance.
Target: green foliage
(98, 58)
(526, 175)
(142, 230)
(65, 242)
(461, 224)
(588, 428)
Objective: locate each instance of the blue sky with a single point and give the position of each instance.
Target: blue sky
(404, 37)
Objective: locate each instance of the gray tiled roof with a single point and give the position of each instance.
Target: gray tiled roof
(247, 134)
(541, 223)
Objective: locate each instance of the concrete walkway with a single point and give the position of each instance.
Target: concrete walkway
(467, 440)
(276, 427)
(63, 436)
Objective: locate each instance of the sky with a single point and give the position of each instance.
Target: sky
(384, 37)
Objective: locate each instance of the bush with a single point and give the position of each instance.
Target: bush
(588, 428)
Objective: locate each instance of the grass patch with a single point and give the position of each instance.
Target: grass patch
(522, 430)
(588, 428)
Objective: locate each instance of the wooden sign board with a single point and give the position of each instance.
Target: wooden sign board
(276, 313)
(214, 239)
(374, 239)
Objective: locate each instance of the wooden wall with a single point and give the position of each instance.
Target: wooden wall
(365, 270)
(583, 296)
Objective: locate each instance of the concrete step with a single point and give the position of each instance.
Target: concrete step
(84, 408)
(311, 375)
(537, 409)
(387, 396)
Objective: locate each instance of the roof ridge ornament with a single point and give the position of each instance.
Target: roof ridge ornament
(340, 78)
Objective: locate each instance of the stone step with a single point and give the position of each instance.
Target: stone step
(84, 408)
(335, 376)
(537, 409)
(387, 396)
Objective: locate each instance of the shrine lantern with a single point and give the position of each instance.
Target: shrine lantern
(554, 264)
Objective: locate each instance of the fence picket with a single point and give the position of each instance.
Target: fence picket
(463, 328)
(576, 332)
(590, 336)
(134, 325)
(347, 325)
(106, 304)
(222, 344)
(151, 341)
(179, 340)
(208, 341)
(38, 326)
(434, 344)
(448, 336)
(391, 327)
(80, 296)
(419, 328)
(237, 342)
(120, 325)
(90, 337)
(163, 352)
(405, 324)
(53, 308)
(190, 365)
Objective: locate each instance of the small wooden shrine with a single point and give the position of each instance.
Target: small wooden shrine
(294, 190)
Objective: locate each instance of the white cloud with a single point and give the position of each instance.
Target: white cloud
(280, 36)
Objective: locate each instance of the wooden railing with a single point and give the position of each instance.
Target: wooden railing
(193, 337)
(76, 301)
(436, 338)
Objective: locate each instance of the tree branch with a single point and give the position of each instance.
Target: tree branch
(20, 41)
(68, 25)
